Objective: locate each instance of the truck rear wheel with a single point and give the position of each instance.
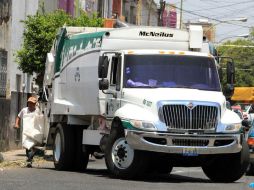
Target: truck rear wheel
(121, 160)
(67, 150)
(63, 151)
(81, 153)
(228, 168)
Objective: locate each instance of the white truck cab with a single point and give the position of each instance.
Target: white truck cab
(144, 96)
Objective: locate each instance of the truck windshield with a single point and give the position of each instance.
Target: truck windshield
(170, 71)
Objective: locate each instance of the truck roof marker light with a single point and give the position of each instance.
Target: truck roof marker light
(130, 52)
(181, 53)
(171, 52)
(162, 52)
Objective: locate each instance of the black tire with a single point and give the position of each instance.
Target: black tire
(164, 168)
(134, 162)
(67, 150)
(63, 150)
(160, 163)
(81, 155)
(250, 170)
(228, 168)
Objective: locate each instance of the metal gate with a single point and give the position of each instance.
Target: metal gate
(3, 73)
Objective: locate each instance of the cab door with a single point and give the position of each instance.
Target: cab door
(113, 100)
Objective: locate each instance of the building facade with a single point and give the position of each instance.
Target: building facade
(170, 16)
(15, 86)
(137, 12)
(149, 13)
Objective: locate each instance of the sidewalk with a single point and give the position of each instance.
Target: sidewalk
(20, 155)
(14, 155)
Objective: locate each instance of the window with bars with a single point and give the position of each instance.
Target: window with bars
(3, 73)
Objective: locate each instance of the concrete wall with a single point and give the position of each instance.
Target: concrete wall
(18, 101)
(4, 123)
(20, 10)
(17, 83)
(49, 5)
(149, 7)
(5, 17)
(129, 11)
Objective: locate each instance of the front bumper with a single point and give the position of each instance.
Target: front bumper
(140, 140)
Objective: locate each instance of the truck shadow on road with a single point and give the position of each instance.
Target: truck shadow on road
(177, 176)
(153, 177)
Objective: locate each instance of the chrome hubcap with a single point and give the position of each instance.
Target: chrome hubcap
(57, 149)
(122, 154)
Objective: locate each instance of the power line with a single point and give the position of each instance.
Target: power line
(229, 5)
(211, 18)
(229, 32)
(229, 13)
(221, 21)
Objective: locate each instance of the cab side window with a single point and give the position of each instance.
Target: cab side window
(115, 75)
(113, 71)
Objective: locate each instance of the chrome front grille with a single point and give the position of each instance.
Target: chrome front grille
(190, 142)
(181, 117)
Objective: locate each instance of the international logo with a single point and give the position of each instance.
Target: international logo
(190, 105)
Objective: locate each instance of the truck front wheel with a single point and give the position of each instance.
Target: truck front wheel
(121, 160)
(228, 168)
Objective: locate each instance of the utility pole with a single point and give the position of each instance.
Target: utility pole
(161, 9)
(149, 13)
(181, 14)
(138, 17)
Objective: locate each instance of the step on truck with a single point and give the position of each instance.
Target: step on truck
(146, 99)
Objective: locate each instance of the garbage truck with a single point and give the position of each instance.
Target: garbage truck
(145, 99)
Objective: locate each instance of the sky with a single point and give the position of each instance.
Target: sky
(221, 13)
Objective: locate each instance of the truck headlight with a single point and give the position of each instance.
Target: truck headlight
(142, 124)
(233, 127)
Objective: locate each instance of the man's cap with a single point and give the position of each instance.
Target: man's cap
(32, 99)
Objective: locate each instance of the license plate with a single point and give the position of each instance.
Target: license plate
(190, 152)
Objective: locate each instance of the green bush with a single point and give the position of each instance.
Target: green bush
(40, 31)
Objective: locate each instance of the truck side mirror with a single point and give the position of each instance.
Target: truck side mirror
(103, 84)
(220, 74)
(229, 90)
(230, 72)
(103, 67)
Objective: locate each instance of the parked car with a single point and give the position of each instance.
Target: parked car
(237, 109)
(250, 142)
(249, 111)
(246, 109)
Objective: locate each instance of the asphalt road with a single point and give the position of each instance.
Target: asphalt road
(43, 176)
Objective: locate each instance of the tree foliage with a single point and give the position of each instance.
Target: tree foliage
(40, 31)
(242, 52)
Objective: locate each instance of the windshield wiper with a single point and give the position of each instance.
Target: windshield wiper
(144, 87)
(182, 86)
